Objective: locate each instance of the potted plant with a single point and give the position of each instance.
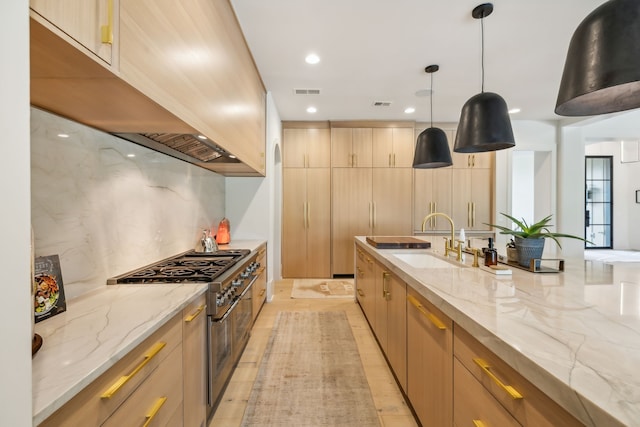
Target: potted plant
(528, 240)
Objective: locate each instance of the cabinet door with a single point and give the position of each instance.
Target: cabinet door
(294, 222)
(362, 147)
(341, 151)
(294, 150)
(472, 198)
(260, 285)
(352, 214)
(318, 148)
(397, 328)
(403, 147)
(382, 279)
(382, 143)
(392, 192)
(461, 181)
(432, 193)
(365, 284)
(429, 361)
(194, 363)
(82, 20)
(318, 240)
(469, 160)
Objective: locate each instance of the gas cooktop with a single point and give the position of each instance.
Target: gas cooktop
(190, 266)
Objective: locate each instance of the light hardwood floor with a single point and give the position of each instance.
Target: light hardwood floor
(390, 404)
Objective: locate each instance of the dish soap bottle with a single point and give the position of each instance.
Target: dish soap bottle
(490, 254)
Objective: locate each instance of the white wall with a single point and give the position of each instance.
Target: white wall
(16, 313)
(253, 204)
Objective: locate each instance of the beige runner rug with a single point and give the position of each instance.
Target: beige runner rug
(311, 375)
(322, 288)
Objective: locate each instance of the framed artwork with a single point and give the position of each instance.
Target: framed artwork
(49, 297)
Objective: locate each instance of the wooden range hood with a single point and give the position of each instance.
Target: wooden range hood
(69, 83)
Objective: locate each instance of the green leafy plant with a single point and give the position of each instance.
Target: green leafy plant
(538, 230)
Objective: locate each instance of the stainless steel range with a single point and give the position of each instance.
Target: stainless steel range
(230, 274)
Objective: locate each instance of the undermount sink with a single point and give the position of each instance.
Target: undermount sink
(422, 260)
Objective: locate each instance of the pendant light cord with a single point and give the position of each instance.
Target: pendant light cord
(482, 52)
(431, 100)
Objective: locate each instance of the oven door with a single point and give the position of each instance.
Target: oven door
(242, 320)
(220, 354)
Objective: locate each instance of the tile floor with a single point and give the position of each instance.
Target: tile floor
(390, 404)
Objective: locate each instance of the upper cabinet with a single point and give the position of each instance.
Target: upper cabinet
(351, 147)
(469, 160)
(191, 58)
(306, 148)
(91, 23)
(393, 147)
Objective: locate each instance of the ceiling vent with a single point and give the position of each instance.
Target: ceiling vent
(307, 91)
(381, 103)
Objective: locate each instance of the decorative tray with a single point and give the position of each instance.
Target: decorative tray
(397, 242)
(542, 265)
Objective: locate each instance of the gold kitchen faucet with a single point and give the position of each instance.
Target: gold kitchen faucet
(449, 245)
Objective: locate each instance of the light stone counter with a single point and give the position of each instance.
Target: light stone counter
(97, 330)
(574, 334)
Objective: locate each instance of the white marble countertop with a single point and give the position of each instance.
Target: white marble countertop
(97, 330)
(574, 334)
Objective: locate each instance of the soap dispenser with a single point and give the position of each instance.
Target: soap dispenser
(490, 254)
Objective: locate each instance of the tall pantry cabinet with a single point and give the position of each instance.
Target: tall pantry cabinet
(371, 186)
(306, 214)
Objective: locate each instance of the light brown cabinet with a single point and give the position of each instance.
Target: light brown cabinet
(391, 321)
(191, 58)
(306, 222)
(351, 147)
(472, 198)
(468, 160)
(367, 201)
(259, 287)
(393, 147)
(429, 361)
(483, 370)
(101, 399)
(432, 193)
(365, 285)
(194, 362)
(306, 148)
(90, 23)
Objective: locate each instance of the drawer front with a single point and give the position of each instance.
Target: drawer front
(473, 405)
(91, 407)
(156, 401)
(529, 405)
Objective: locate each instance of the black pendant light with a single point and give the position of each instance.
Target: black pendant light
(484, 121)
(432, 147)
(602, 71)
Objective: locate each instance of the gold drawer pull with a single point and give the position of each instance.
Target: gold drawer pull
(111, 391)
(195, 314)
(487, 370)
(261, 269)
(106, 31)
(360, 292)
(478, 423)
(154, 411)
(432, 318)
(262, 292)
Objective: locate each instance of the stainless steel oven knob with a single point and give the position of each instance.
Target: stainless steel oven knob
(244, 274)
(220, 301)
(237, 282)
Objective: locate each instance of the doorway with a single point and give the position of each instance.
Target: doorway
(598, 220)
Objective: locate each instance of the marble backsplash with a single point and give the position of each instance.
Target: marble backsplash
(107, 206)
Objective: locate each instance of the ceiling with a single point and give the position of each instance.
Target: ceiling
(376, 50)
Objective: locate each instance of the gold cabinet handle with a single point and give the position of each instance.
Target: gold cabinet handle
(389, 162)
(106, 31)
(469, 214)
(473, 214)
(432, 318)
(154, 411)
(261, 270)
(262, 292)
(308, 215)
(360, 292)
(469, 160)
(385, 290)
(195, 314)
(394, 160)
(478, 423)
(370, 215)
(374, 216)
(487, 370)
(111, 391)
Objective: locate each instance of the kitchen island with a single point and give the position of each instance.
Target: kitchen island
(575, 335)
(99, 329)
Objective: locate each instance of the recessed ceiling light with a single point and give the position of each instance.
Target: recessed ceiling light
(409, 110)
(514, 110)
(312, 58)
(131, 155)
(311, 109)
(63, 135)
(202, 137)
